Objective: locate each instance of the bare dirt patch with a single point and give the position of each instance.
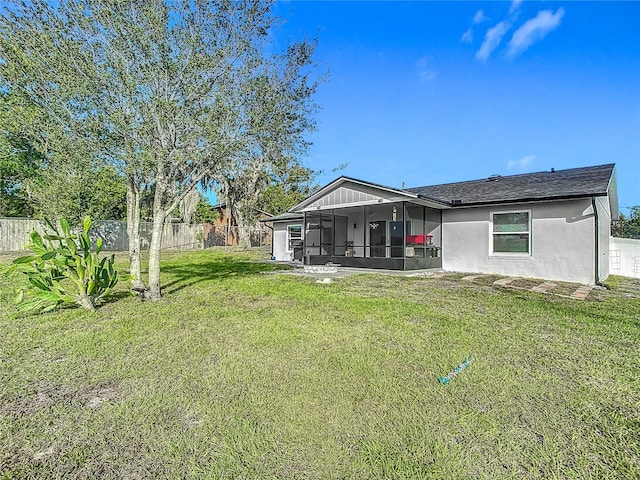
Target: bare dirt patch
(43, 396)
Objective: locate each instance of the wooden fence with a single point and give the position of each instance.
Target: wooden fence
(14, 235)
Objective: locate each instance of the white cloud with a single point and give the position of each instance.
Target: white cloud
(534, 30)
(492, 39)
(425, 72)
(479, 17)
(467, 37)
(515, 5)
(521, 165)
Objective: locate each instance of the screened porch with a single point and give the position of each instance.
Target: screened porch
(395, 236)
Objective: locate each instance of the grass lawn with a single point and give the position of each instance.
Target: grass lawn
(240, 374)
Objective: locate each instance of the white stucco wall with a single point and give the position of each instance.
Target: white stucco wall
(625, 257)
(604, 234)
(280, 243)
(562, 242)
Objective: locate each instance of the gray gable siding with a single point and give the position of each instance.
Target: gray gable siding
(344, 196)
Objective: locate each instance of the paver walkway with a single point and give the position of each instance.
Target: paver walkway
(327, 273)
(543, 287)
(471, 278)
(582, 292)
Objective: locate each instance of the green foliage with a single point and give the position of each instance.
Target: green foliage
(19, 159)
(63, 269)
(288, 189)
(205, 212)
(628, 227)
(32, 170)
(96, 191)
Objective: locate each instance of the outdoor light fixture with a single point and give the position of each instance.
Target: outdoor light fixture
(395, 210)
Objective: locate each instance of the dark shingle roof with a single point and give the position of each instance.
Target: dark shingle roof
(571, 183)
(284, 217)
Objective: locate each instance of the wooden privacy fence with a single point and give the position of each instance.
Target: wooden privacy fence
(227, 236)
(14, 235)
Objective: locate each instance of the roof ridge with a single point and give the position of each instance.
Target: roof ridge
(511, 176)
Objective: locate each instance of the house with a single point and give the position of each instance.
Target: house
(224, 230)
(553, 225)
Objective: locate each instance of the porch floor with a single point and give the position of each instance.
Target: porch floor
(349, 271)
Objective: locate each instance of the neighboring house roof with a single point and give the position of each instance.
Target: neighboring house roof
(558, 184)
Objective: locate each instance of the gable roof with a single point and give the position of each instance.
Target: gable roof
(373, 189)
(549, 185)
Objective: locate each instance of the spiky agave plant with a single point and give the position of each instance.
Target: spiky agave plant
(63, 268)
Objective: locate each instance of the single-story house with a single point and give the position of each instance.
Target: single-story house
(553, 225)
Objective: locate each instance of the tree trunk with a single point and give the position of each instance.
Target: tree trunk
(133, 232)
(85, 302)
(159, 215)
(244, 233)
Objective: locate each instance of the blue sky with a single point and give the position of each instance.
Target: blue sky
(436, 92)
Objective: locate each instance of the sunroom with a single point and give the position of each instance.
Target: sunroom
(359, 224)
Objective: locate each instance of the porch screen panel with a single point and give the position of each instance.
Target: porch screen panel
(312, 234)
(341, 225)
(326, 235)
(416, 234)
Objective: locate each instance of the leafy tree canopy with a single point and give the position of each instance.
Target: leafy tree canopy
(629, 225)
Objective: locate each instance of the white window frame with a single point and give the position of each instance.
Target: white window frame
(289, 238)
(492, 253)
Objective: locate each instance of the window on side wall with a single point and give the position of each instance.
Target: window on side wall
(294, 236)
(511, 233)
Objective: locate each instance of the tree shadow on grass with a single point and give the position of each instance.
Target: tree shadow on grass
(188, 274)
(114, 297)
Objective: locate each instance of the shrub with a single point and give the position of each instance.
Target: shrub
(63, 269)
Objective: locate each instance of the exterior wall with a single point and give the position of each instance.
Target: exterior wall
(280, 244)
(625, 257)
(562, 242)
(604, 234)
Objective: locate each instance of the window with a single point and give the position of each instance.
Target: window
(294, 236)
(511, 233)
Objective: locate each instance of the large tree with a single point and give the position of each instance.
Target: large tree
(36, 181)
(164, 91)
(279, 115)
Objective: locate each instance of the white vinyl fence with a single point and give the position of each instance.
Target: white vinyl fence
(624, 257)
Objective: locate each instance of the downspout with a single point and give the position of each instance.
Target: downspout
(597, 240)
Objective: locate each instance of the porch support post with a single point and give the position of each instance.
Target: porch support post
(304, 238)
(404, 235)
(365, 229)
(333, 232)
(424, 221)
